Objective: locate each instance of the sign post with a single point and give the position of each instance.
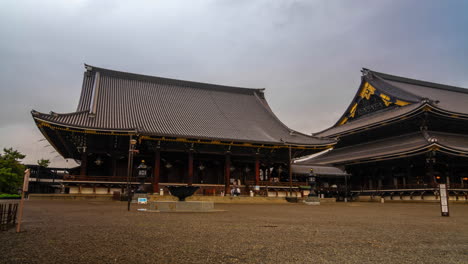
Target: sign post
(444, 208)
(27, 173)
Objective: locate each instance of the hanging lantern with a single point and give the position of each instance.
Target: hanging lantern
(98, 161)
(201, 167)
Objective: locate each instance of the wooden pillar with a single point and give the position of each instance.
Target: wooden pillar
(430, 173)
(114, 166)
(257, 170)
(157, 170)
(190, 168)
(84, 163)
(290, 171)
(227, 172)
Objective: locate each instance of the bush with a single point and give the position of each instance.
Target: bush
(10, 196)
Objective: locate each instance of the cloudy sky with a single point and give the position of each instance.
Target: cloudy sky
(307, 54)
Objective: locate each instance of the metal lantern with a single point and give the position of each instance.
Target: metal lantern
(142, 170)
(312, 180)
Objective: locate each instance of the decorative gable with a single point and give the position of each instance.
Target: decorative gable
(369, 100)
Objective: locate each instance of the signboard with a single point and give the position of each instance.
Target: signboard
(142, 200)
(443, 200)
(27, 173)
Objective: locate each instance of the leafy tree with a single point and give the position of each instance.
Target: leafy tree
(11, 170)
(43, 163)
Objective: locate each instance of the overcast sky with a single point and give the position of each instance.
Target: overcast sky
(307, 54)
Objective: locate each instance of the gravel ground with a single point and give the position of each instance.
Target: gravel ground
(104, 232)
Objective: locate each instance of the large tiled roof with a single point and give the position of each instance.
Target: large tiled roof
(113, 100)
(407, 144)
(450, 98)
(443, 97)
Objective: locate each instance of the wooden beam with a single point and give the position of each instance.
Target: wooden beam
(65, 145)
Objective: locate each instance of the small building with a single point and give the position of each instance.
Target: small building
(400, 138)
(48, 179)
(186, 132)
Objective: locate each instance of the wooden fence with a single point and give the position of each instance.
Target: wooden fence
(8, 215)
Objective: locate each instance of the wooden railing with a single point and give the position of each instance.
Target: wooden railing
(276, 184)
(102, 178)
(408, 187)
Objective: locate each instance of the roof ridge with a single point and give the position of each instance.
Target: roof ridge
(52, 113)
(171, 81)
(397, 88)
(440, 86)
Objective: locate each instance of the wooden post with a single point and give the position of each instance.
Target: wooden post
(290, 171)
(157, 171)
(84, 163)
(257, 170)
(27, 173)
(227, 173)
(190, 168)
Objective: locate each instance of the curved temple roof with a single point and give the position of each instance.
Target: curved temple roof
(404, 145)
(119, 101)
(412, 94)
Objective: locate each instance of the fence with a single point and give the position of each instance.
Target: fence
(8, 215)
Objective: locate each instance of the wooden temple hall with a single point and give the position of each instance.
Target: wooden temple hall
(185, 132)
(399, 138)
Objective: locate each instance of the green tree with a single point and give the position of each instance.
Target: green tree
(43, 163)
(11, 170)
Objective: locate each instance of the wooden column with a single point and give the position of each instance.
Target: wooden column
(257, 170)
(114, 166)
(84, 163)
(157, 170)
(190, 168)
(290, 171)
(227, 173)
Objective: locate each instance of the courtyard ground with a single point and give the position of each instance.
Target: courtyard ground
(104, 232)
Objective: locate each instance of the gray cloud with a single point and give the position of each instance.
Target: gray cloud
(307, 54)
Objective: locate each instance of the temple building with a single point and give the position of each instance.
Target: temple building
(401, 137)
(186, 132)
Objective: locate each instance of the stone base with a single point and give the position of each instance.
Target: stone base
(176, 206)
(314, 200)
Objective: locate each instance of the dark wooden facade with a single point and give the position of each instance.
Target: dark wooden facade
(402, 137)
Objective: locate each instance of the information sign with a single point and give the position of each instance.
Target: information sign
(444, 208)
(142, 200)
